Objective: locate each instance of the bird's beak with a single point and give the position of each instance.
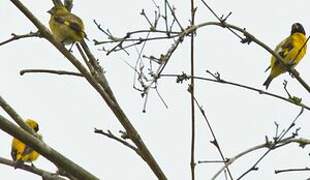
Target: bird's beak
(49, 11)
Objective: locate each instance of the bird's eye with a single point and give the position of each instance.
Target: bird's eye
(36, 128)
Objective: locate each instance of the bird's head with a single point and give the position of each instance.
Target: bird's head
(298, 28)
(57, 10)
(32, 124)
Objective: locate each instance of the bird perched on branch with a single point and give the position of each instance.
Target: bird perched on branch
(20, 152)
(292, 50)
(66, 27)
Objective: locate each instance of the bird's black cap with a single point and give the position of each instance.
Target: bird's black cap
(298, 28)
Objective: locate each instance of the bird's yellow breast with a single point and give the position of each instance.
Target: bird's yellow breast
(299, 49)
(20, 154)
(292, 53)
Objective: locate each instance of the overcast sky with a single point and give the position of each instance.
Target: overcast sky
(68, 108)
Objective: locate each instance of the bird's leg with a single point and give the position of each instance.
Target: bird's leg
(70, 49)
(291, 66)
(63, 42)
(18, 164)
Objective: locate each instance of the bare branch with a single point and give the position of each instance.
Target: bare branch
(17, 37)
(301, 141)
(50, 71)
(222, 20)
(13, 114)
(109, 134)
(192, 91)
(86, 60)
(275, 145)
(44, 174)
(291, 170)
(182, 77)
(214, 141)
(172, 10)
(142, 13)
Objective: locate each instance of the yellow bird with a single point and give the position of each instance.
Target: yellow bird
(292, 50)
(20, 152)
(65, 26)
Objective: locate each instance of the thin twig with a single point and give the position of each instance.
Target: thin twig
(17, 37)
(44, 174)
(13, 114)
(221, 20)
(166, 17)
(301, 141)
(211, 161)
(172, 10)
(291, 170)
(214, 141)
(86, 60)
(58, 72)
(138, 40)
(275, 145)
(192, 92)
(222, 81)
(147, 19)
(109, 134)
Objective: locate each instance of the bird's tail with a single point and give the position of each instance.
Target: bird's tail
(267, 68)
(268, 81)
(85, 35)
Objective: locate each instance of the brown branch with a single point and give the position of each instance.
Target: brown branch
(130, 130)
(90, 67)
(44, 174)
(276, 144)
(13, 114)
(16, 37)
(147, 19)
(222, 20)
(301, 141)
(291, 170)
(192, 93)
(50, 71)
(182, 77)
(214, 141)
(172, 10)
(136, 40)
(109, 134)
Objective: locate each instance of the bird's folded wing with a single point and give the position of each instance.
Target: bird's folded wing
(285, 47)
(27, 151)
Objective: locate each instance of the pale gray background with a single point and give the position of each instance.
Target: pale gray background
(68, 109)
